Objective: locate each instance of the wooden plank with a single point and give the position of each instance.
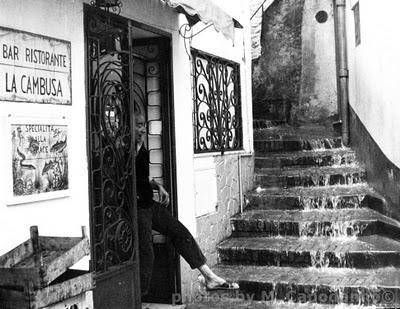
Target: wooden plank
(41, 259)
(60, 264)
(16, 255)
(58, 243)
(58, 292)
(37, 255)
(12, 299)
(16, 277)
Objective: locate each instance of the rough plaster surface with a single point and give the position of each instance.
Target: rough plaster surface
(215, 227)
(318, 96)
(294, 73)
(276, 74)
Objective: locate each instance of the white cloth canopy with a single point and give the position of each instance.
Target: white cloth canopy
(208, 12)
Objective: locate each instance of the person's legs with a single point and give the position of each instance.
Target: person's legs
(186, 246)
(146, 252)
(183, 241)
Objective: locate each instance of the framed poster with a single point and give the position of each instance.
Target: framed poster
(39, 159)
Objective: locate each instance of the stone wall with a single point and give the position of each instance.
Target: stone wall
(294, 78)
(277, 73)
(215, 227)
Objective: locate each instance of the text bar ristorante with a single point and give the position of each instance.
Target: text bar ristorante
(34, 68)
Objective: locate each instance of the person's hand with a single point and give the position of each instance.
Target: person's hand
(163, 195)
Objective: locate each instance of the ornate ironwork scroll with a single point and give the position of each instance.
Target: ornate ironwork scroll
(111, 170)
(217, 106)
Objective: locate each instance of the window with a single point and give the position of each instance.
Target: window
(217, 119)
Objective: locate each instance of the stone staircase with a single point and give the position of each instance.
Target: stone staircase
(314, 233)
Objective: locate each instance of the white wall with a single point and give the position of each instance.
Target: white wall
(374, 72)
(318, 96)
(61, 19)
(238, 51)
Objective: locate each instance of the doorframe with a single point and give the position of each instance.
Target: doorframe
(169, 114)
(168, 121)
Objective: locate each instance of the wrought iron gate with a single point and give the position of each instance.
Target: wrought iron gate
(111, 161)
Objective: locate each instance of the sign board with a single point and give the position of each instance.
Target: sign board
(34, 68)
(39, 160)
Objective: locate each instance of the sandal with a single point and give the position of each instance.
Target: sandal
(227, 285)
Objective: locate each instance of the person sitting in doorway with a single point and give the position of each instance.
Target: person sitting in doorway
(154, 215)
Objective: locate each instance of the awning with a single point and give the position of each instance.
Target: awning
(207, 12)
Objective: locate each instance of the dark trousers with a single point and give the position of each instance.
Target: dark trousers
(158, 218)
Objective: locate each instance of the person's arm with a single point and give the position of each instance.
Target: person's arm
(163, 194)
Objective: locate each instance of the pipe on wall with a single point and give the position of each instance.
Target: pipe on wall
(342, 68)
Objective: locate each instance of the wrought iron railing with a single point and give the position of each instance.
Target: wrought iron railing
(217, 121)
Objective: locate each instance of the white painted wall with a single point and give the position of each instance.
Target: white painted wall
(374, 72)
(240, 52)
(61, 19)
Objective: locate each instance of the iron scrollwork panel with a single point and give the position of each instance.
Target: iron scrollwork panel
(110, 146)
(217, 105)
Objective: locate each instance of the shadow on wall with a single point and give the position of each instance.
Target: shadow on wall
(277, 73)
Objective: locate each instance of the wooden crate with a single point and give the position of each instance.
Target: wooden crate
(41, 259)
(71, 285)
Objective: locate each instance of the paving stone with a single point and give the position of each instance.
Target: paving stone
(362, 252)
(310, 177)
(311, 285)
(332, 223)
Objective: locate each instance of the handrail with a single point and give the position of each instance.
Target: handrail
(261, 6)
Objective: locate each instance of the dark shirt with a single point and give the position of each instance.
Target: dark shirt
(143, 187)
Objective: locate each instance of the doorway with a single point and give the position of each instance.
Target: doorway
(128, 67)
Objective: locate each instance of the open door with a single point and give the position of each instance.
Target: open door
(152, 96)
(114, 241)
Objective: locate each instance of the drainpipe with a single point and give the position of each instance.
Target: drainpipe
(342, 68)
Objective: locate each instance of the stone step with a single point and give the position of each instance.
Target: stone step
(325, 286)
(242, 301)
(362, 252)
(331, 223)
(335, 157)
(259, 124)
(285, 132)
(275, 145)
(332, 197)
(310, 177)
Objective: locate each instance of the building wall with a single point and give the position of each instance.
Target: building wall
(294, 77)
(216, 184)
(277, 73)
(318, 96)
(374, 95)
(61, 19)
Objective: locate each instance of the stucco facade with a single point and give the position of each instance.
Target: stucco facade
(64, 216)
